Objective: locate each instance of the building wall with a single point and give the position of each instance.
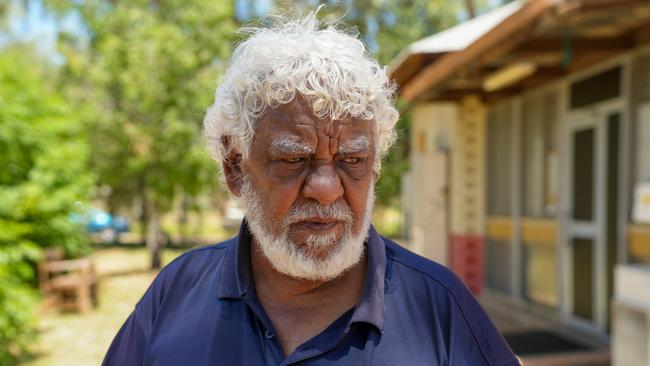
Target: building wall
(522, 185)
(639, 230)
(468, 169)
(539, 247)
(431, 139)
(467, 207)
(446, 186)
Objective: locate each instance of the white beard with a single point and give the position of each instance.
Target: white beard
(296, 260)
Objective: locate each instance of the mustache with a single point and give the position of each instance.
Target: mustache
(310, 209)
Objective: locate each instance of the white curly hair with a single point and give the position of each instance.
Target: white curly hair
(330, 68)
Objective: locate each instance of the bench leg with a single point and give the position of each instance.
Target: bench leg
(83, 298)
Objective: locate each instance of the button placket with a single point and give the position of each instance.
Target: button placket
(268, 334)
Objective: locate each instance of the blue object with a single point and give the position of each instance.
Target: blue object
(120, 224)
(98, 221)
(202, 310)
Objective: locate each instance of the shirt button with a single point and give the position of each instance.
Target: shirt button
(268, 334)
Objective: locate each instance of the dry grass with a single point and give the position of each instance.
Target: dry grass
(76, 339)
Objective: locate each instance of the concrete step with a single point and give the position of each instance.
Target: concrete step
(584, 358)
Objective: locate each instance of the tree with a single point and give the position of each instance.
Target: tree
(389, 26)
(147, 74)
(43, 179)
(470, 6)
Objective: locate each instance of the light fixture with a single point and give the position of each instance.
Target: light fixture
(508, 75)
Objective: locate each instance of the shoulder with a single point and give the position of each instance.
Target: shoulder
(426, 279)
(415, 266)
(443, 298)
(432, 284)
(184, 272)
(202, 256)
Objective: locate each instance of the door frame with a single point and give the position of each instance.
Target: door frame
(596, 117)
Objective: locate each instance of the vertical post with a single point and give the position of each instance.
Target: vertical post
(515, 201)
(83, 287)
(565, 154)
(626, 158)
(600, 240)
(468, 194)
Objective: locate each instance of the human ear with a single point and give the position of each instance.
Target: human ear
(231, 165)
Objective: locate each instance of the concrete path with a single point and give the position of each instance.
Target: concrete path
(513, 318)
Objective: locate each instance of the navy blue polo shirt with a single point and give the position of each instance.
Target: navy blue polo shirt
(202, 310)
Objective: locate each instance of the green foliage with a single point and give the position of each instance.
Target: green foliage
(146, 77)
(389, 26)
(17, 323)
(44, 172)
(394, 165)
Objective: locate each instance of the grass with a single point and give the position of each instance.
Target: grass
(83, 339)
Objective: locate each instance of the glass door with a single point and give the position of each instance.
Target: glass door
(582, 228)
(590, 245)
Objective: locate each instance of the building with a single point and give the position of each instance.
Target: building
(530, 155)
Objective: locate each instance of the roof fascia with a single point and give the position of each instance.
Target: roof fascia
(449, 63)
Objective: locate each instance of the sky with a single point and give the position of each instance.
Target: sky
(35, 24)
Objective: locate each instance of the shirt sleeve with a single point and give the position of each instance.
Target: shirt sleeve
(474, 338)
(129, 345)
(132, 340)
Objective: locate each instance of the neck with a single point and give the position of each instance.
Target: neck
(300, 309)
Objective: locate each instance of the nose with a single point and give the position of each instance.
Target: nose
(323, 185)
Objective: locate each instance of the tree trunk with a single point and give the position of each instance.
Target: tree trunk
(112, 210)
(199, 224)
(470, 6)
(144, 214)
(183, 218)
(153, 242)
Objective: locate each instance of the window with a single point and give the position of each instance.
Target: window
(643, 144)
(498, 256)
(499, 159)
(540, 155)
(641, 97)
(539, 274)
(499, 193)
(598, 88)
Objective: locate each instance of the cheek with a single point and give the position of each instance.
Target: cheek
(280, 197)
(356, 195)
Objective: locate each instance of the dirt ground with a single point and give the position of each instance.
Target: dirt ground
(82, 339)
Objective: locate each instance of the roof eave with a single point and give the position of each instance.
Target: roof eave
(448, 63)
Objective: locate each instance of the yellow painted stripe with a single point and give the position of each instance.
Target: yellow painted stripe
(539, 231)
(639, 241)
(499, 228)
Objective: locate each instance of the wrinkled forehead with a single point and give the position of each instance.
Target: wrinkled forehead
(295, 123)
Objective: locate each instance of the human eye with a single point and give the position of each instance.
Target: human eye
(294, 160)
(355, 166)
(352, 160)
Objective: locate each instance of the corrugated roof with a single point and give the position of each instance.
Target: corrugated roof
(426, 65)
(460, 36)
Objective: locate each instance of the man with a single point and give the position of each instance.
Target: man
(299, 125)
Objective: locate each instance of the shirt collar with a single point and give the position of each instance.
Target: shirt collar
(236, 276)
(235, 273)
(370, 308)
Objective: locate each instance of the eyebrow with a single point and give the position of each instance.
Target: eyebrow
(355, 145)
(287, 145)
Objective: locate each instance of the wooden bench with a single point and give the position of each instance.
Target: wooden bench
(67, 284)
